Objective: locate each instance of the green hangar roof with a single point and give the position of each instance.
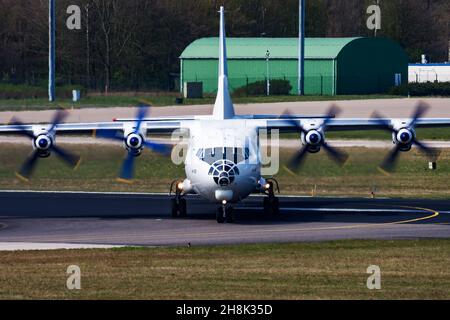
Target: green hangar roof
(256, 48)
(332, 65)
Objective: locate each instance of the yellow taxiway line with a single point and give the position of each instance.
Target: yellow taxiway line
(433, 214)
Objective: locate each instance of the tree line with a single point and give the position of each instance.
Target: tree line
(136, 44)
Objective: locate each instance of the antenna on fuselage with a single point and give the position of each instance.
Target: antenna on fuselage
(223, 108)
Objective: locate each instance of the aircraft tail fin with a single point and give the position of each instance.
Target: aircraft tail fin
(223, 108)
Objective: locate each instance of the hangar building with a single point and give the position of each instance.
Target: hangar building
(332, 65)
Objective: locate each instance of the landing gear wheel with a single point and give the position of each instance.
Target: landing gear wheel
(267, 207)
(179, 208)
(271, 203)
(178, 203)
(182, 208)
(275, 206)
(229, 215)
(174, 208)
(220, 216)
(271, 206)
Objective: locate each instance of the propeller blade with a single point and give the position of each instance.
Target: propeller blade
(332, 113)
(390, 161)
(59, 117)
(432, 153)
(71, 159)
(287, 117)
(337, 155)
(21, 126)
(127, 170)
(385, 124)
(298, 159)
(142, 113)
(158, 147)
(28, 167)
(421, 109)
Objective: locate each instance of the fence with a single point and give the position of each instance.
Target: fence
(428, 76)
(314, 85)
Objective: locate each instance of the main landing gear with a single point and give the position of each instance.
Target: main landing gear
(271, 203)
(178, 203)
(224, 213)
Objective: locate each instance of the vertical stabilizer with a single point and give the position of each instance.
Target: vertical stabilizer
(223, 108)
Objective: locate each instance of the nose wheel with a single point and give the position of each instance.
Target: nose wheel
(224, 214)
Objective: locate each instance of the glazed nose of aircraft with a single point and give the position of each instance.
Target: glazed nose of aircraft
(224, 172)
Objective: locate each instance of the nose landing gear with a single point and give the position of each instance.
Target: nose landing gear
(271, 203)
(224, 213)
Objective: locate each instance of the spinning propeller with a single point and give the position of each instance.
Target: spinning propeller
(313, 140)
(43, 145)
(135, 142)
(404, 137)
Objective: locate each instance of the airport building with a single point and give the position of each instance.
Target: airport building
(332, 65)
(429, 72)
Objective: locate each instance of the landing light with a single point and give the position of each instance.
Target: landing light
(224, 202)
(180, 186)
(267, 186)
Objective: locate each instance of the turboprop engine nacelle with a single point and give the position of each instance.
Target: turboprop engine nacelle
(134, 142)
(43, 142)
(313, 139)
(404, 137)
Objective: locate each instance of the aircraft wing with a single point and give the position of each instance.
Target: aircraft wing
(292, 124)
(152, 126)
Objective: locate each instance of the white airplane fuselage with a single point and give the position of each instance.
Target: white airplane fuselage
(222, 161)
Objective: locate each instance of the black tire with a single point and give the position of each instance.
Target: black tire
(275, 206)
(219, 216)
(267, 206)
(174, 207)
(229, 215)
(182, 208)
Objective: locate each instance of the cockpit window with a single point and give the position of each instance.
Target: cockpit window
(211, 155)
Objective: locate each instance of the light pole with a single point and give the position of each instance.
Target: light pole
(51, 50)
(88, 49)
(301, 49)
(268, 70)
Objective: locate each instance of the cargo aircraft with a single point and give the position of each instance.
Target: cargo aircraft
(223, 158)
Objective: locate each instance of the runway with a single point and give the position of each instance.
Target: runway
(144, 220)
(394, 108)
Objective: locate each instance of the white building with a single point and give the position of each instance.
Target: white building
(430, 72)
